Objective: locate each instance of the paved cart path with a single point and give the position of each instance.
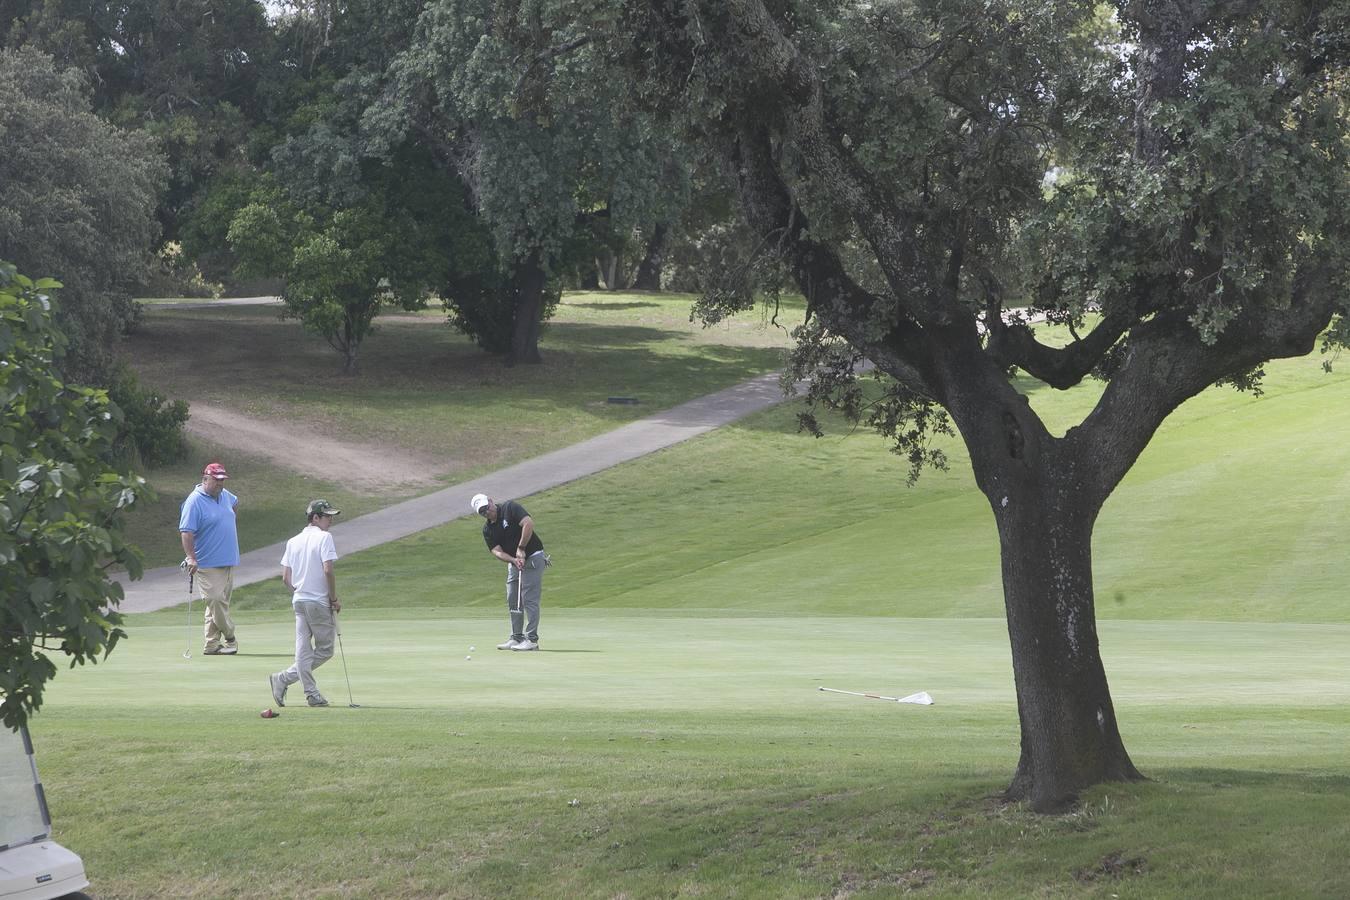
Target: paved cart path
(162, 588)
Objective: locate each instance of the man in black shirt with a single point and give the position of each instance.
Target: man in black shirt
(510, 536)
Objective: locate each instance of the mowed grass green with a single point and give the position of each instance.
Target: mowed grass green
(700, 597)
(702, 758)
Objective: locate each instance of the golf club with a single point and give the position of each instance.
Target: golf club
(187, 651)
(921, 697)
(343, 652)
(520, 589)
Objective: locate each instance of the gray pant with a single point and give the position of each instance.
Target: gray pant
(313, 623)
(523, 589)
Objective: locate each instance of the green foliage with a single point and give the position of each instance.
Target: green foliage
(61, 505)
(186, 73)
(1188, 168)
(205, 225)
(542, 134)
(481, 304)
(341, 263)
(150, 432)
(1248, 199)
(515, 101)
(178, 275)
(78, 198)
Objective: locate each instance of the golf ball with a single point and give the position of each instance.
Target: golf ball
(468, 657)
(471, 649)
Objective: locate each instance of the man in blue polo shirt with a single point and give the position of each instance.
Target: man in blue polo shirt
(206, 525)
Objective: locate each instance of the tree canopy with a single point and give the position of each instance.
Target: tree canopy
(79, 198)
(192, 74)
(342, 260)
(61, 505)
(535, 131)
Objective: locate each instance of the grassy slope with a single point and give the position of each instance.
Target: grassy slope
(427, 391)
(700, 597)
(1229, 514)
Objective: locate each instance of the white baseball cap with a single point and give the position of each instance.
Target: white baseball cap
(478, 502)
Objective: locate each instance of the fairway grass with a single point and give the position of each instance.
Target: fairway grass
(703, 759)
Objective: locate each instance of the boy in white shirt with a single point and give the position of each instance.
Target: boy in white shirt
(307, 569)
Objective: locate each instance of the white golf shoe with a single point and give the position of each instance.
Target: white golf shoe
(526, 644)
(278, 688)
(508, 644)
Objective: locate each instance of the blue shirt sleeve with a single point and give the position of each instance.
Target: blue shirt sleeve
(188, 518)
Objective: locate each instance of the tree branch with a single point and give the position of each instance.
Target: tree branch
(1014, 344)
(547, 54)
(900, 348)
(1167, 363)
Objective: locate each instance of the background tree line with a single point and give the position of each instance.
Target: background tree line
(355, 155)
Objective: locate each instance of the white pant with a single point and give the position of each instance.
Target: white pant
(315, 628)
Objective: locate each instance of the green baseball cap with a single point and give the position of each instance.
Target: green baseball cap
(322, 508)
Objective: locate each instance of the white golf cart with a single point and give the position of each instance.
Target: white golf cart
(32, 866)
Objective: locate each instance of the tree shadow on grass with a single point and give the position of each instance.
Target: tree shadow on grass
(1221, 779)
(614, 306)
(254, 351)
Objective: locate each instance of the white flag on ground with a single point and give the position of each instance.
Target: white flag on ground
(921, 697)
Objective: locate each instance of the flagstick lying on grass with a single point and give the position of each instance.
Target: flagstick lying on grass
(921, 697)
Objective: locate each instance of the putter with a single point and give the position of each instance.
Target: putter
(187, 651)
(343, 652)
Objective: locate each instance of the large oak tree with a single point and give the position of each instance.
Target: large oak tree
(1168, 178)
(514, 98)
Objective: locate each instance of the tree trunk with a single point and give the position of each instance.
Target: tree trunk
(349, 345)
(530, 280)
(588, 279)
(648, 276)
(1069, 735)
(607, 268)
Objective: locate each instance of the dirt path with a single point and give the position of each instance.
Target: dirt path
(364, 467)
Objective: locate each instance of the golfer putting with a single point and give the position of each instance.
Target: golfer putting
(510, 536)
(307, 569)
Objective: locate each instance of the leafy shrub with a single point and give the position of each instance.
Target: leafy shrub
(151, 432)
(175, 275)
(61, 505)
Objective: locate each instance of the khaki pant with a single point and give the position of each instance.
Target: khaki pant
(216, 587)
(315, 628)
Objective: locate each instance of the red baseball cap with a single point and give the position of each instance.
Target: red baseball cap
(216, 471)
